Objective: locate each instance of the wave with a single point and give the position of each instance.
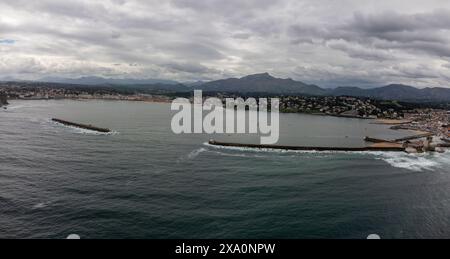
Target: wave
(195, 153)
(238, 154)
(15, 107)
(192, 155)
(28, 105)
(40, 205)
(416, 162)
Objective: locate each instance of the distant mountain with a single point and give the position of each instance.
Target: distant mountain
(396, 92)
(265, 83)
(261, 83)
(129, 85)
(194, 84)
(93, 80)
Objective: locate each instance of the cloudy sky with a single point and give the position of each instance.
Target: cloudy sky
(327, 42)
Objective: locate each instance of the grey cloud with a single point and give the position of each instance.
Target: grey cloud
(192, 68)
(392, 21)
(417, 72)
(241, 35)
(362, 52)
(72, 9)
(426, 32)
(230, 7)
(191, 50)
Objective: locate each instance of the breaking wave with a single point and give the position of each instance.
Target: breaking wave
(416, 162)
(195, 153)
(40, 205)
(192, 155)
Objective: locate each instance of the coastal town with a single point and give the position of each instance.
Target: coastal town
(342, 106)
(47, 91)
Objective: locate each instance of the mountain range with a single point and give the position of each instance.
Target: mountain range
(265, 83)
(262, 83)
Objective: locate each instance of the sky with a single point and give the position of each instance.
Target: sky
(326, 42)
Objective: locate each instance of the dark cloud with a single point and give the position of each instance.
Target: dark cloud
(426, 32)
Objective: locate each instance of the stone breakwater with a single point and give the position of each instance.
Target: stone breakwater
(392, 148)
(3, 99)
(81, 126)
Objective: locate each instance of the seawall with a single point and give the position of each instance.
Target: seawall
(82, 126)
(309, 148)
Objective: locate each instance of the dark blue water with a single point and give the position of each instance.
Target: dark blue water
(145, 182)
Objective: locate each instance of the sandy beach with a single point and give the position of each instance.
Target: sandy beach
(391, 122)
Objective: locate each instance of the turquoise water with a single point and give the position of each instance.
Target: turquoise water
(142, 181)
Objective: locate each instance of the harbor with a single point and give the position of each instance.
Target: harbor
(424, 142)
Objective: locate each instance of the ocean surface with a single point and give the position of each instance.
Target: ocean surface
(143, 181)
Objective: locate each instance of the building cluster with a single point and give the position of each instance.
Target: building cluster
(430, 120)
(338, 106)
(49, 93)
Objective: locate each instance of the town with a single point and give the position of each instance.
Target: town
(52, 91)
(341, 106)
(427, 120)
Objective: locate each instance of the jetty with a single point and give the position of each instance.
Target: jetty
(81, 126)
(418, 136)
(392, 148)
(377, 140)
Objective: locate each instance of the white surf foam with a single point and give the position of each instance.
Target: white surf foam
(192, 155)
(417, 162)
(283, 151)
(195, 153)
(14, 107)
(40, 205)
(91, 132)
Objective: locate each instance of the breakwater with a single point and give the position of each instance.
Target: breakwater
(309, 148)
(408, 138)
(418, 136)
(3, 99)
(82, 126)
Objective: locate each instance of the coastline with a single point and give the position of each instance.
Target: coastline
(156, 100)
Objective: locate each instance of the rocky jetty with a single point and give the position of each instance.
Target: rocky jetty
(81, 126)
(3, 100)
